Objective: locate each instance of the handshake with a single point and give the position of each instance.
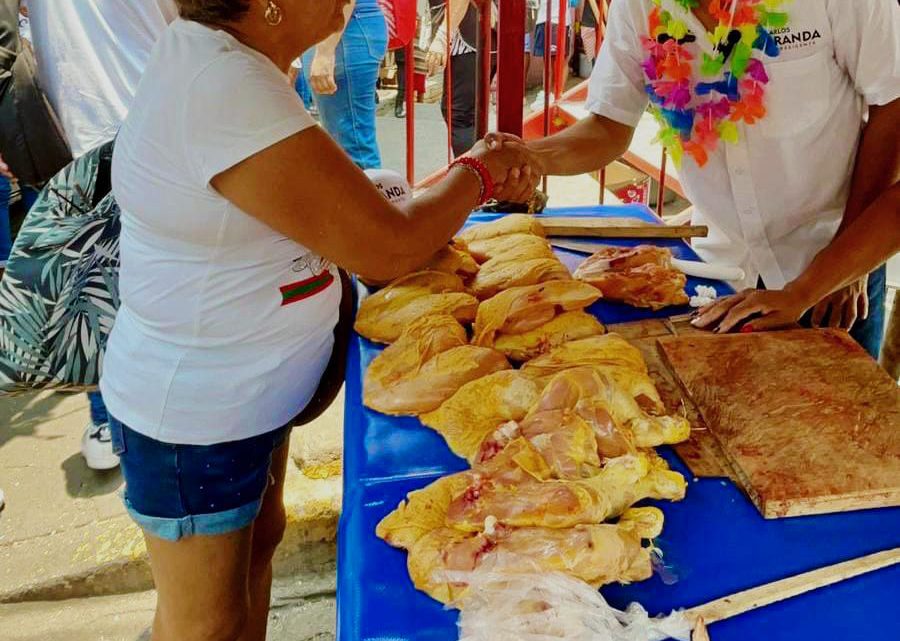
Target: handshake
(515, 168)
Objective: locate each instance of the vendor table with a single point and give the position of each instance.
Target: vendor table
(715, 543)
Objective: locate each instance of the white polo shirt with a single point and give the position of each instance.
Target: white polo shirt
(776, 198)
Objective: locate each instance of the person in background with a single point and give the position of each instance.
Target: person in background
(91, 55)
(461, 80)
(541, 38)
(785, 129)
(400, 100)
(343, 72)
(302, 87)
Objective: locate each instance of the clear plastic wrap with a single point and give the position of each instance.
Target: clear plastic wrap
(551, 606)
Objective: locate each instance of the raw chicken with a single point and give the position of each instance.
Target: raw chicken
(502, 273)
(424, 339)
(610, 353)
(453, 259)
(596, 554)
(477, 408)
(385, 314)
(611, 409)
(640, 276)
(520, 309)
(424, 388)
(502, 247)
(566, 327)
(511, 224)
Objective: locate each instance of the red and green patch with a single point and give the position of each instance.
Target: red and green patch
(303, 289)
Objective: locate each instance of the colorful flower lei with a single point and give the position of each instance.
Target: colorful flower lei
(694, 117)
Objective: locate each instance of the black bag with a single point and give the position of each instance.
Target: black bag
(32, 141)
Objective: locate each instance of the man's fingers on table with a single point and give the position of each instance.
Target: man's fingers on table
(715, 311)
(739, 313)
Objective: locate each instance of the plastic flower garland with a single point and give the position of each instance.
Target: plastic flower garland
(695, 116)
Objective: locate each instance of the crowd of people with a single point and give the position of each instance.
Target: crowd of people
(239, 214)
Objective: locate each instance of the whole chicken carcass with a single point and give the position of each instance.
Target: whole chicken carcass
(521, 309)
(503, 247)
(424, 389)
(596, 554)
(619, 422)
(385, 314)
(479, 407)
(568, 326)
(499, 274)
(611, 353)
(640, 276)
(511, 224)
(424, 339)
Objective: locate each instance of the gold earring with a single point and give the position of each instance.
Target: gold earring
(274, 15)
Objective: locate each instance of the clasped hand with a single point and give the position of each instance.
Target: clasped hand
(515, 169)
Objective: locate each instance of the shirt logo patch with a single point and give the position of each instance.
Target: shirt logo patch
(306, 288)
(791, 39)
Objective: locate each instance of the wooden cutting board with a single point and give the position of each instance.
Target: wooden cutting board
(584, 226)
(808, 422)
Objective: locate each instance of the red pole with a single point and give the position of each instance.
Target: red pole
(485, 55)
(548, 57)
(661, 192)
(410, 97)
(448, 84)
(511, 67)
(562, 45)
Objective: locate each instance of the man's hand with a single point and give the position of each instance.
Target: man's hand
(435, 58)
(514, 169)
(753, 310)
(5, 171)
(844, 307)
(321, 73)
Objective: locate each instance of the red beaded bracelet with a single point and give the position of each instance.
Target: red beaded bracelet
(480, 170)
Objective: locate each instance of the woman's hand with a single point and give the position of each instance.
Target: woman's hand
(435, 58)
(754, 310)
(321, 73)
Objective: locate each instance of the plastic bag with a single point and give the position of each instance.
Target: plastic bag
(548, 607)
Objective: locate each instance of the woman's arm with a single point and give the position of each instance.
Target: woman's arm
(870, 240)
(321, 71)
(306, 188)
(436, 57)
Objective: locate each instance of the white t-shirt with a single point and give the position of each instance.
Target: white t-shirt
(225, 325)
(554, 13)
(90, 56)
(776, 198)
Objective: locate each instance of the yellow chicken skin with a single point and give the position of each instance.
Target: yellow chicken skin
(521, 309)
(478, 407)
(610, 407)
(385, 314)
(511, 224)
(497, 275)
(504, 247)
(424, 339)
(596, 554)
(568, 326)
(423, 389)
(454, 259)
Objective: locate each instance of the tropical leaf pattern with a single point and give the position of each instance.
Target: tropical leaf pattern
(59, 295)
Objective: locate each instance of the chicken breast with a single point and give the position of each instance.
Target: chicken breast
(568, 326)
(511, 224)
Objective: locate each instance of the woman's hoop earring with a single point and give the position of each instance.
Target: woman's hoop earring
(274, 15)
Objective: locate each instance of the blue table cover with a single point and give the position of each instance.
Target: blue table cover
(715, 542)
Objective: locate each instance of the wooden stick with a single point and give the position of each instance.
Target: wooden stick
(618, 228)
(758, 597)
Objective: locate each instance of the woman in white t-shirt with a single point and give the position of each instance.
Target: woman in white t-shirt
(235, 210)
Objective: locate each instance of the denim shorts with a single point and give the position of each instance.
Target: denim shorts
(177, 491)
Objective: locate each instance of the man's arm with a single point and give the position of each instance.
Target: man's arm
(870, 240)
(588, 145)
(321, 71)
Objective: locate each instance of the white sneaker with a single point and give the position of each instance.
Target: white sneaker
(96, 448)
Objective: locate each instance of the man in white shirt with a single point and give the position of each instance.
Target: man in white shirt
(91, 55)
(765, 107)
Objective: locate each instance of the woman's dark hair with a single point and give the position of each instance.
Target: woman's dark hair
(212, 10)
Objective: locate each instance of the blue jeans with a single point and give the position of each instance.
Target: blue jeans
(349, 114)
(99, 415)
(304, 90)
(29, 195)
